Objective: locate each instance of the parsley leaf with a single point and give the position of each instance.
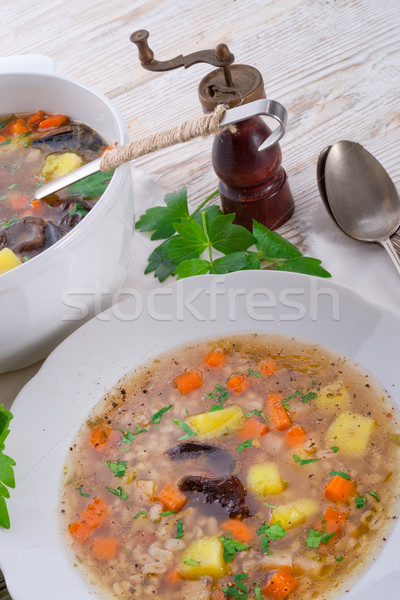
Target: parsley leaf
(270, 532)
(258, 413)
(245, 444)
(179, 530)
(374, 495)
(221, 395)
(316, 537)
(257, 591)
(141, 512)
(6, 467)
(156, 418)
(118, 468)
(82, 493)
(90, 187)
(309, 396)
(255, 373)
(10, 222)
(118, 492)
(161, 219)
(128, 436)
(191, 562)
(335, 449)
(269, 505)
(340, 473)
(304, 461)
(339, 558)
(167, 513)
(361, 501)
(238, 589)
(78, 208)
(232, 547)
(188, 430)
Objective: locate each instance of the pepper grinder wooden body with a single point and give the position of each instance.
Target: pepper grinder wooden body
(252, 184)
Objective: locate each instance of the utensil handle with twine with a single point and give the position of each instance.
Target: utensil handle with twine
(202, 126)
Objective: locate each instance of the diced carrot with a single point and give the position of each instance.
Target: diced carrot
(280, 585)
(2, 138)
(267, 367)
(188, 381)
(92, 517)
(105, 548)
(172, 576)
(339, 489)
(172, 498)
(334, 520)
(215, 358)
(100, 436)
(81, 531)
(35, 203)
(252, 429)
(53, 121)
(238, 383)
(295, 436)
(16, 127)
(36, 118)
(278, 413)
(240, 531)
(106, 150)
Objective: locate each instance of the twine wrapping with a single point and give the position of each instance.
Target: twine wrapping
(205, 125)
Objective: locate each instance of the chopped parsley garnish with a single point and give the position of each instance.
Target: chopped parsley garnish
(255, 373)
(82, 493)
(257, 591)
(269, 505)
(188, 430)
(167, 513)
(246, 444)
(304, 461)
(361, 501)
(126, 550)
(309, 396)
(374, 495)
(340, 473)
(296, 393)
(179, 530)
(118, 492)
(231, 547)
(258, 413)
(128, 436)
(10, 222)
(313, 382)
(219, 393)
(78, 208)
(335, 449)
(237, 589)
(118, 468)
(3, 197)
(14, 186)
(286, 405)
(339, 558)
(270, 532)
(191, 562)
(26, 143)
(316, 537)
(6, 142)
(156, 418)
(141, 512)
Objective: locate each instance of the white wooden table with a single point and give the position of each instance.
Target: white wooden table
(335, 65)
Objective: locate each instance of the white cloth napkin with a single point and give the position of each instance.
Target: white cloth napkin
(363, 267)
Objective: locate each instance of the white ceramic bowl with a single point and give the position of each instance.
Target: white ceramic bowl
(38, 299)
(50, 409)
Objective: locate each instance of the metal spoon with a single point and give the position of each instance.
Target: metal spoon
(359, 195)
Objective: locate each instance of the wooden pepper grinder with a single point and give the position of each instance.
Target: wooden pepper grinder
(252, 183)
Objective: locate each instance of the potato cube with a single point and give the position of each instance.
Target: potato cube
(217, 423)
(264, 480)
(147, 487)
(295, 513)
(333, 397)
(203, 557)
(56, 165)
(351, 432)
(8, 260)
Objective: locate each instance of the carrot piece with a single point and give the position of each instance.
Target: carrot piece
(105, 548)
(53, 121)
(215, 358)
(100, 436)
(338, 489)
(2, 138)
(81, 531)
(252, 429)
(188, 381)
(334, 520)
(240, 531)
(36, 118)
(280, 585)
(35, 203)
(278, 413)
(267, 367)
(106, 150)
(238, 383)
(92, 517)
(172, 498)
(172, 576)
(16, 127)
(295, 436)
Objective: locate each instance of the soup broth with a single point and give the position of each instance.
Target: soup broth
(243, 467)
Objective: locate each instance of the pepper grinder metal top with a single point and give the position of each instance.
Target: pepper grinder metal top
(252, 184)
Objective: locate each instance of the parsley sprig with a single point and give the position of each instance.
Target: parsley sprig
(190, 242)
(156, 418)
(232, 547)
(130, 436)
(219, 393)
(270, 533)
(188, 430)
(6, 468)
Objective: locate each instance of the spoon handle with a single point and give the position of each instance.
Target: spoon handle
(390, 249)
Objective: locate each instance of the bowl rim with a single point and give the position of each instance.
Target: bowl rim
(103, 204)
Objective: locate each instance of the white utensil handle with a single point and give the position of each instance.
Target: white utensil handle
(390, 249)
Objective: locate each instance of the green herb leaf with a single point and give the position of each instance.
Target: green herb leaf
(340, 473)
(231, 547)
(309, 396)
(188, 430)
(274, 532)
(272, 245)
(10, 222)
(303, 264)
(92, 186)
(82, 493)
(257, 591)
(128, 436)
(3, 197)
(255, 373)
(238, 589)
(190, 243)
(265, 545)
(118, 492)
(6, 467)
(374, 495)
(237, 261)
(339, 558)
(179, 530)
(141, 512)
(228, 238)
(221, 394)
(285, 405)
(14, 186)
(191, 562)
(167, 513)
(258, 413)
(194, 266)
(246, 444)
(78, 208)
(361, 501)
(296, 393)
(161, 219)
(118, 468)
(159, 262)
(156, 418)
(269, 505)
(313, 538)
(6, 142)
(335, 449)
(304, 461)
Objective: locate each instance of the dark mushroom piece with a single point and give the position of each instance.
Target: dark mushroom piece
(219, 460)
(75, 210)
(52, 234)
(70, 137)
(228, 491)
(3, 239)
(26, 235)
